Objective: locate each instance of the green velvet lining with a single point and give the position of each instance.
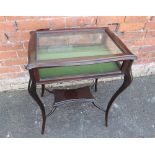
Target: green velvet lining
(72, 52)
(78, 70)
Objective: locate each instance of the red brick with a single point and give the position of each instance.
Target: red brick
(7, 27)
(133, 42)
(22, 53)
(142, 61)
(146, 54)
(139, 43)
(6, 75)
(2, 18)
(25, 36)
(9, 69)
(124, 27)
(18, 61)
(112, 27)
(135, 39)
(86, 21)
(47, 17)
(38, 17)
(14, 75)
(147, 49)
(57, 23)
(104, 20)
(153, 18)
(22, 67)
(8, 55)
(25, 44)
(150, 26)
(18, 36)
(2, 38)
(11, 46)
(132, 35)
(80, 21)
(16, 18)
(147, 41)
(71, 21)
(137, 18)
(152, 59)
(33, 24)
(150, 34)
(135, 50)
(21, 74)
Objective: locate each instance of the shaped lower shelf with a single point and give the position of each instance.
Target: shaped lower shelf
(69, 95)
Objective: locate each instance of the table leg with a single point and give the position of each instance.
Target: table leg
(94, 86)
(127, 81)
(96, 80)
(42, 90)
(33, 93)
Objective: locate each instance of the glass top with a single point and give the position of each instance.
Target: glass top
(72, 44)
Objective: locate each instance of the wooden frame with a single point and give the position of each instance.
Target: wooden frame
(33, 63)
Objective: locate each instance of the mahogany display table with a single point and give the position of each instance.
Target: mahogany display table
(71, 54)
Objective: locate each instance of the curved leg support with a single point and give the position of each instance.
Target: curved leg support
(33, 93)
(127, 81)
(98, 107)
(50, 91)
(52, 111)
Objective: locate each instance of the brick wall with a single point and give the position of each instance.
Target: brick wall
(138, 32)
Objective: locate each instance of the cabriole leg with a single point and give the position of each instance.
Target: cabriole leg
(33, 93)
(127, 81)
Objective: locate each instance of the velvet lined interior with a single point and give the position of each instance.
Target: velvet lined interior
(78, 70)
(73, 51)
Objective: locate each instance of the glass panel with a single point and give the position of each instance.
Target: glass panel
(100, 68)
(74, 44)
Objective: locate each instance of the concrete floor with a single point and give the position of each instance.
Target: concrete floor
(132, 114)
